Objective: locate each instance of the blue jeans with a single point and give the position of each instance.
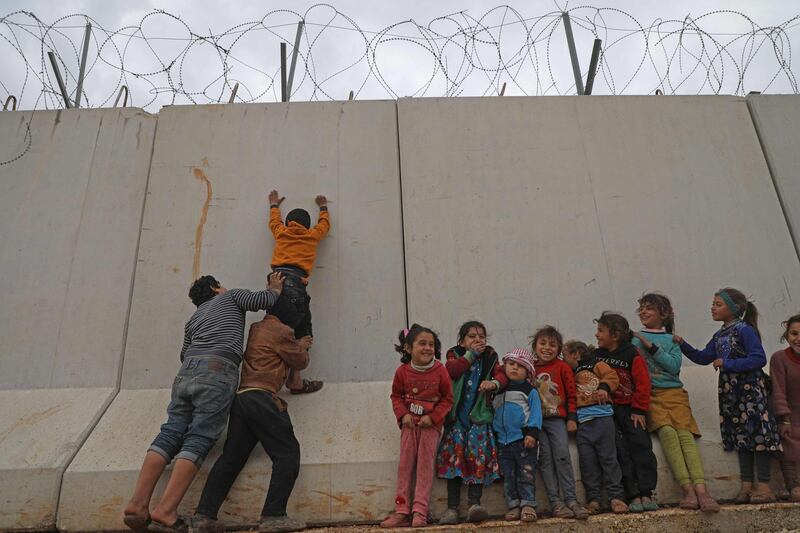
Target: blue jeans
(519, 474)
(597, 451)
(202, 394)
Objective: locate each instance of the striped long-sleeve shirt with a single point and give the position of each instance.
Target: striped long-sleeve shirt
(217, 327)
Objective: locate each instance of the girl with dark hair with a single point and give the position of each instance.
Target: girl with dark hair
(746, 421)
(468, 453)
(670, 415)
(422, 395)
(631, 403)
(784, 369)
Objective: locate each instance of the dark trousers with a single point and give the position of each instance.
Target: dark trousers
(474, 493)
(635, 454)
(519, 474)
(597, 453)
(762, 462)
(295, 290)
(255, 418)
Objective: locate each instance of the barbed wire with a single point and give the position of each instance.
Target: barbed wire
(164, 61)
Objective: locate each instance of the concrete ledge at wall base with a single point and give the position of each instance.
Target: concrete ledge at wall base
(350, 445)
(732, 518)
(40, 431)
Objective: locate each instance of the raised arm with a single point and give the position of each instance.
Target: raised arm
(275, 220)
(254, 301)
(323, 223)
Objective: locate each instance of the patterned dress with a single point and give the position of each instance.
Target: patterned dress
(745, 417)
(468, 450)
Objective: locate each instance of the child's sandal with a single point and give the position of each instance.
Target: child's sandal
(528, 514)
(512, 515)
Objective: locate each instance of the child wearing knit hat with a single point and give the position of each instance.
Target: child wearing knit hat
(517, 422)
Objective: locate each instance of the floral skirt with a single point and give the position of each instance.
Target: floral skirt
(745, 419)
(470, 454)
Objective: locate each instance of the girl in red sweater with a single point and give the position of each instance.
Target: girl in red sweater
(422, 395)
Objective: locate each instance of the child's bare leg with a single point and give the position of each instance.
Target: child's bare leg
(152, 467)
(166, 512)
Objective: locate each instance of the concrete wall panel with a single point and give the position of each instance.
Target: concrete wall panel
(777, 120)
(347, 151)
(70, 209)
(526, 211)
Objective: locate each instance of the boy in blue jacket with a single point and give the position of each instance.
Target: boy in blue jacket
(517, 421)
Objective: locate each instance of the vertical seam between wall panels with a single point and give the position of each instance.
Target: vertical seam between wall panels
(402, 213)
(107, 403)
(773, 177)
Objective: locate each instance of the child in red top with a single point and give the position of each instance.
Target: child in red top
(555, 383)
(422, 395)
(631, 403)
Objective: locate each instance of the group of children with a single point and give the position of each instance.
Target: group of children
(478, 417)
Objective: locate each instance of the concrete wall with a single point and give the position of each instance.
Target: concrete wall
(515, 211)
(235, 155)
(70, 210)
(777, 121)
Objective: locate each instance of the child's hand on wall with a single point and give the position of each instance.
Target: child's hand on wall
(407, 421)
(321, 200)
(275, 198)
(529, 442)
(572, 426)
(425, 421)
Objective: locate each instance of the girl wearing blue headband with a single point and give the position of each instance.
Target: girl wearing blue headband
(746, 421)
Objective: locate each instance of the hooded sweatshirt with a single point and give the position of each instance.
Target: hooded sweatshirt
(296, 245)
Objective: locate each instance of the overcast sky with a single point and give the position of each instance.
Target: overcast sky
(397, 63)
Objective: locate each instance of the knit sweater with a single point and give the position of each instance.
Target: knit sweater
(634, 379)
(556, 389)
(296, 245)
(663, 360)
(422, 393)
(592, 374)
(517, 413)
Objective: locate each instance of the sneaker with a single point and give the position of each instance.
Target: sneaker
(578, 510)
(280, 524)
(619, 506)
(449, 518)
(593, 508)
(204, 524)
(560, 510)
(396, 520)
(649, 504)
(419, 520)
(512, 515)
(477, 513)
(635, 506)
(528, 514)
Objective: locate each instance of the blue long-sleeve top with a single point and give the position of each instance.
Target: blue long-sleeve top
(737, 344)
(517, 413)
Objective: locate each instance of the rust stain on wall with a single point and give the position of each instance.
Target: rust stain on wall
(32, 419)
(198, 236)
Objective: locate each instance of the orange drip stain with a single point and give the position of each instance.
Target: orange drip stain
(198, 236)
(341, 498)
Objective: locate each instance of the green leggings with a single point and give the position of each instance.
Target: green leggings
(682, 455)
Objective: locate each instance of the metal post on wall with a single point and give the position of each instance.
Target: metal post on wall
(284, 96)
(82, 71)
(295, 52)
(59, 80)
(573, 54)
(593, 66)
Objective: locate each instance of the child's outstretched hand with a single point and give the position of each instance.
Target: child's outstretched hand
(718, 363)
(321, 200)
(407, 421)
(529, 442)
(425, 421)
(638, 421)
(487, 386)
(275, 198)
(572, 426)
(677, 339)
(275, 282)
